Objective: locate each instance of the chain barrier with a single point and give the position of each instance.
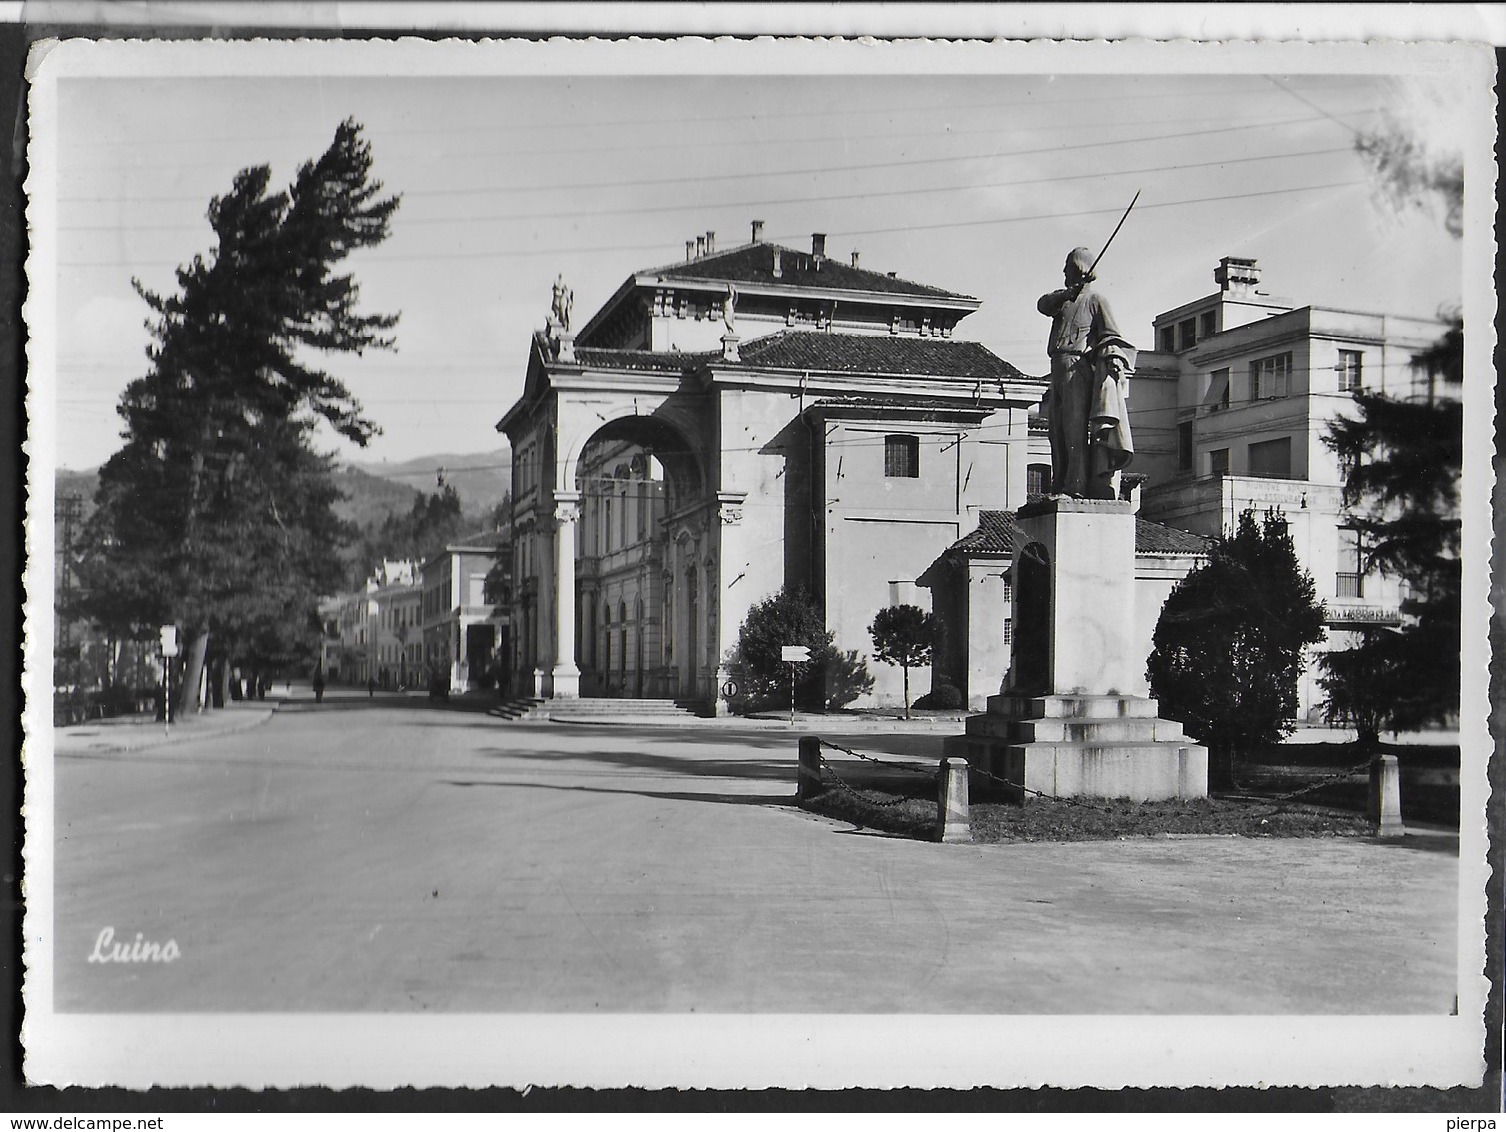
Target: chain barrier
(863, 800)
(1040, 793)
(852, 790)
(870, 759)
(858, 795)
(1320, 783)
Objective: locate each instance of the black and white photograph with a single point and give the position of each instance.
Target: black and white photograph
(763, 563)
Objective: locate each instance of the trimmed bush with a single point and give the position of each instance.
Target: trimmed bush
(943, 697)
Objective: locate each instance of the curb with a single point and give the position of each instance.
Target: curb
(261, 717)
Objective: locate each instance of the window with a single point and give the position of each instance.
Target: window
(1037, 478)
(1208, 324)
(1008, 630)
(1217, 399)
(1272, 458)
(902, 456)
(1350, 377)
(1184, 446)
(1168, 340)
(1186, 334)
(1218, 462)
(1350, 579)
(1271, 377)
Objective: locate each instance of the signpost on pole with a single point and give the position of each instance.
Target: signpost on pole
(168, 640)
(794, 656)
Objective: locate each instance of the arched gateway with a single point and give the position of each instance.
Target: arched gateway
(734, 424)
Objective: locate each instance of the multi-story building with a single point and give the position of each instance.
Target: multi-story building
(393, 636)
(462, 630)
(1230, 410)
(735, 423)
(373, 634)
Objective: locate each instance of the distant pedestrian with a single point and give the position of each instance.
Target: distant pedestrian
(370, 687)
(319, 684)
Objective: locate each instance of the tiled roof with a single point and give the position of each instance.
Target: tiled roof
(667, 361)
(858, 353)
(754, 263)
(803, 350)
(996, 533)
(1158, 538)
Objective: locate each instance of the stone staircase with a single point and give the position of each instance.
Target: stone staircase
(1083, 746)
(593, 709)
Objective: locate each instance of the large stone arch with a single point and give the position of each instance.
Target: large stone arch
(627, 482)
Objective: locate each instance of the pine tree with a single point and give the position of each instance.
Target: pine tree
(217, 513)
(1229, 644)
(1403, 459)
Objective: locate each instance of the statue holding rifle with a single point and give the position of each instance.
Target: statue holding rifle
(1090, 367)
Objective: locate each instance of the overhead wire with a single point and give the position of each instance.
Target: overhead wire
(762, 203)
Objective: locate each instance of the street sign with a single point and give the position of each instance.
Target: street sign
(169, 637)
(729, 690)
(795, 654)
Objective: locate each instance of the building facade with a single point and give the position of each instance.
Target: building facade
(1230, 411)
(462, 629)
(733, 424)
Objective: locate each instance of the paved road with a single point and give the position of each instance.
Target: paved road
(393, 855)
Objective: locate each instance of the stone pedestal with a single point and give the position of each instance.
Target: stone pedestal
(1068, 725)
(1385, 797)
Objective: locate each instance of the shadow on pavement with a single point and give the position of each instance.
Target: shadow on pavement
(671, 764)
(787, 799)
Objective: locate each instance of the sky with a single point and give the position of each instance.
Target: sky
(979, 183)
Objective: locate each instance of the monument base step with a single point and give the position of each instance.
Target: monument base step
(1080, 746)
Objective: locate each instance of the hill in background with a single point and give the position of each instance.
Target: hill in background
(481, 479)
(369, 499)
(375, 493)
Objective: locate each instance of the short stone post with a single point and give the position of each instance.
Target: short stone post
(951, 803)
(808, 776)
(1385, 797)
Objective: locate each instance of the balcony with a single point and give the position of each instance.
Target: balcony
(1349, 585)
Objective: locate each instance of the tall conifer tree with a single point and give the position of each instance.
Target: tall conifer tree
(217, 514)
(1403, 458)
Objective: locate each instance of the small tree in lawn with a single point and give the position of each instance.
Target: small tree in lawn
(903, 635)
(1230, 640)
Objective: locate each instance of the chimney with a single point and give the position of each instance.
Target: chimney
(778, 272)
(1236, 274)
(689, 250)
(757, 231)
(818, 244)
(854, 257)
(700, 246)
(710, 241)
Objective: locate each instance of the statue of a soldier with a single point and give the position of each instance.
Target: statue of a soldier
(1090, 367)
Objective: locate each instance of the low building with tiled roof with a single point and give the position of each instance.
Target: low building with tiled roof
(972, 596)
(734, 424)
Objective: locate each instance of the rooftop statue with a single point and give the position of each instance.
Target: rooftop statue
(729, 305)
(563, 301)
(1090, 367)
